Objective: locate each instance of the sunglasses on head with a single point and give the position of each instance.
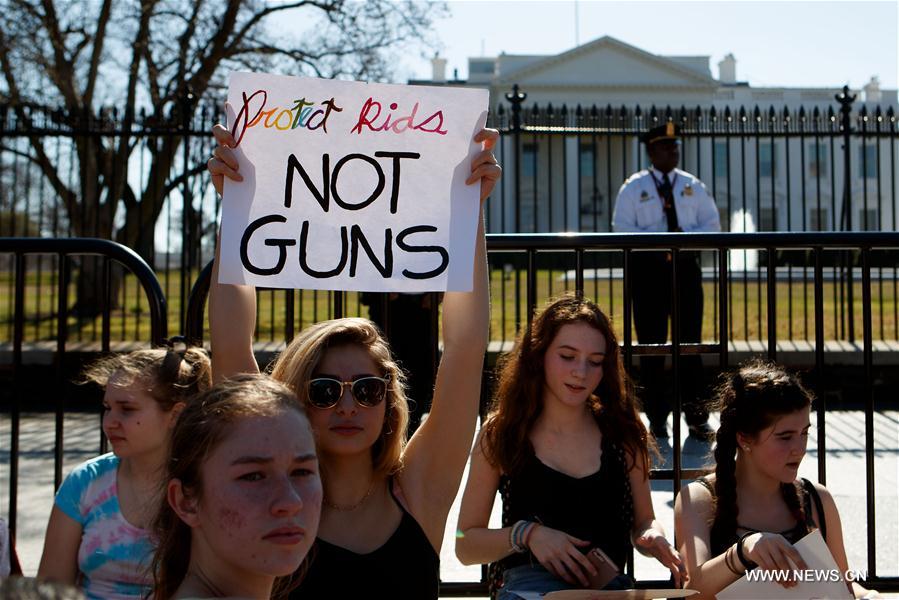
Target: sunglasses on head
(368, 391)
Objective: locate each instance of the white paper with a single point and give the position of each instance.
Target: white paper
(815, 553)
(407, 149)
(634, 594)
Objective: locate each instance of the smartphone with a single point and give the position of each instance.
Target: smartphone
(606, 570)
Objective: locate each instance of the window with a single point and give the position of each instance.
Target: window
(528, 160)
(867, 160)
(817, 158)
(480, 67)
(818, 220)
(768, 219)
(766, 159)
(721, 166)
(869, 224)
(587, 163)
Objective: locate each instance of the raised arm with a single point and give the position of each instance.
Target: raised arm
(232, 308)
(435, 457)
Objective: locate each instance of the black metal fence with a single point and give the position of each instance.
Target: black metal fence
(769, 168)
(574, 252)
(562, 251)
(58, 255)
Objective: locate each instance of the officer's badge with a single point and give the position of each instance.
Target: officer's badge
(688, 190)
(644, 196)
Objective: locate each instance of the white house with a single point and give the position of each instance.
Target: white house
(570, 181)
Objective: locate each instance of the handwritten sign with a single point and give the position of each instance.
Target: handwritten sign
(820, 562)
(351, 186)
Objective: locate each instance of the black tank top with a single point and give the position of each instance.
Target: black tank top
(598, 508)
(406, 566)
(720, 542)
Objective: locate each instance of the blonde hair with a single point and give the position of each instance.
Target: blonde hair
(170, 376)
(297, 364)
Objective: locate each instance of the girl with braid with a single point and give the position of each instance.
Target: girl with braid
(98, 537)
(566, 449)
(753, 509)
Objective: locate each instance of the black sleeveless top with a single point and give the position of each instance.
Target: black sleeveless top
(598, 508)
(406, 566)
(720, 543)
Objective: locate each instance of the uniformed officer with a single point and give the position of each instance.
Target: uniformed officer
(659, 199)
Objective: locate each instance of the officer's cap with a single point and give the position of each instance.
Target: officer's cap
(668, 131)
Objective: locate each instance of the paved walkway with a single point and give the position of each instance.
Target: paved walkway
(845, 463)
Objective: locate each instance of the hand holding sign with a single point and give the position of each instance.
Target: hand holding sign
(484, 167)
(367, 190)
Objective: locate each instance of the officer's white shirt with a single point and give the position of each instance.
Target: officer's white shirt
(640, 208)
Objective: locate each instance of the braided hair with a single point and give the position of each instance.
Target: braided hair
(750, 400)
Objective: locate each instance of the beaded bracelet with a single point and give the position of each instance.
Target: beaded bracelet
(746, 562)
(515, 537)
(531, 526)
(728, 560)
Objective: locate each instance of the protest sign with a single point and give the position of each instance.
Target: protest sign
(351, 186)
(822, 579)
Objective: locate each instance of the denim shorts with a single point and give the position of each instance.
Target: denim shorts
(528, 578)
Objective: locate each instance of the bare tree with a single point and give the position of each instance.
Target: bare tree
(154, 60)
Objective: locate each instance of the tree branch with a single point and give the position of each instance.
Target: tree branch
(97, 52)
(65, 73)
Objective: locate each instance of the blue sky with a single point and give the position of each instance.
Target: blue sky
(796, 44)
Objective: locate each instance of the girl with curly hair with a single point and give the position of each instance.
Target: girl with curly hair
(566, 448)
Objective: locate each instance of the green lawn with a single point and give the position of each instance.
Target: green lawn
(795, 313)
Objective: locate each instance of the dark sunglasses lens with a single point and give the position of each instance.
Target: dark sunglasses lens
(324, 393)
(369, 391)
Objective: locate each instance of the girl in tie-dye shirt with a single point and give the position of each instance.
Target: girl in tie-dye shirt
(98, 537)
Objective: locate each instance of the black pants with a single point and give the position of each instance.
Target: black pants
(652, 295)
(413, 340)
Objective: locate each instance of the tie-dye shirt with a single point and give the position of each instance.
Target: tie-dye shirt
(114, 556)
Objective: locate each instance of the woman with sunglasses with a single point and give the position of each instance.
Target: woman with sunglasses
(385, 501)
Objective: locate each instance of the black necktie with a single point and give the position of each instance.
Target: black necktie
(667, 195)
